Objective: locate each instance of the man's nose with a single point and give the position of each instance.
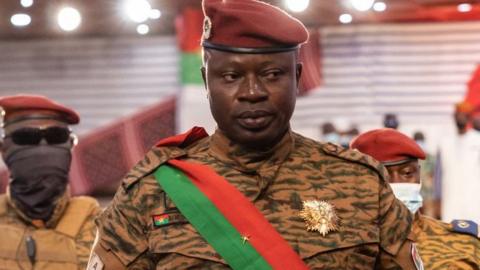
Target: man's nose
(253, 90)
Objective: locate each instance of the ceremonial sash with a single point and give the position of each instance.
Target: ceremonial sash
(225, 218)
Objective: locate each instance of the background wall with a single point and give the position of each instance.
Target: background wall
(124, 89)
(417, 71)
(102, 78)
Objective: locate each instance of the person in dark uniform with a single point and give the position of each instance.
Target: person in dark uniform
(255, 194)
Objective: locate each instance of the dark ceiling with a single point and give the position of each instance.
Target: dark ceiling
(105, 17)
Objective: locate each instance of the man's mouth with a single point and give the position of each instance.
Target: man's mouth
(255, 120)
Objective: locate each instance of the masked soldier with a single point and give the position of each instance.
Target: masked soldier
(440, 245)
(255, 194)
(42, 227)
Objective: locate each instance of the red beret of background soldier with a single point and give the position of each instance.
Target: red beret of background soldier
(42, 226)
(440, 245)
(255, 194)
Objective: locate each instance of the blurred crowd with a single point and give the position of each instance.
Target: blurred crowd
(449, 174)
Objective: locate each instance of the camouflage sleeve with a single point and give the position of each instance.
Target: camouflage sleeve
(121, 228)
(85, 238)
(395, 226)
(395, 220)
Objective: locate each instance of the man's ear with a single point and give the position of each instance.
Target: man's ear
(299, 72)
(74, 140)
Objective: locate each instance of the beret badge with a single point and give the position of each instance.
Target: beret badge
(207, 28)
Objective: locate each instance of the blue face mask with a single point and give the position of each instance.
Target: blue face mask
(421, 144)
(409, 194)
(331, 137)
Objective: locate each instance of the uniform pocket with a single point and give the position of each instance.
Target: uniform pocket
(352, 246)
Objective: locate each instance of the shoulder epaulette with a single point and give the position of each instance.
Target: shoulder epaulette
(465, 227)
(164, 150)
(355, 156)
(77, 212)
(152, 160)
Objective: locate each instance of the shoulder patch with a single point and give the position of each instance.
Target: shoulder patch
(152, 160)
(465, 227)
(355, 156)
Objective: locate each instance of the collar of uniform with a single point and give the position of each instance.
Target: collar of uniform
(249, 161)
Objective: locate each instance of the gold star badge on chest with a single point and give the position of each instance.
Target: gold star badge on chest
(319, 216)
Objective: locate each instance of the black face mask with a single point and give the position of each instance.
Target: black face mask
(39, 176)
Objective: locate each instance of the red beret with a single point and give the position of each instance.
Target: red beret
(19, 103)
(249, 26)
(387, 146)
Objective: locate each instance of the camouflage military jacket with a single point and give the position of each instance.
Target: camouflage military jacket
(371, 221)
(442, 248)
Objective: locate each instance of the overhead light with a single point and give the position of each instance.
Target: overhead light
(362, 5)
(379, 6)
(26, 3)
(345, 18)
(154, 14)
(297, 5)
(465, 7)
(143, 29)
(137, 10)
(20, 19)
(69, 19)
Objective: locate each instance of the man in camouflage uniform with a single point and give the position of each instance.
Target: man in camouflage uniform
(440, 245)
(251, 72)
(42, 227)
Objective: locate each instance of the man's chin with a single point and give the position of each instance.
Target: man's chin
(257, 139)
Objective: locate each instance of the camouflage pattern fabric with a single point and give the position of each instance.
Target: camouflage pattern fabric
(372, 223)
(442, 248)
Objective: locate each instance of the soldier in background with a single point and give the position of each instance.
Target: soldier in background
(440, 245)
(329, 133)
(390, 120)
(42, 227)
(255, 194)
(458, 166)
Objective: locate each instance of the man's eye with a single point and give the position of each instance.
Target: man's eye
(272, 74)
(229, 77)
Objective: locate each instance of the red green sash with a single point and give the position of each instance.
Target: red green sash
(226, 219)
